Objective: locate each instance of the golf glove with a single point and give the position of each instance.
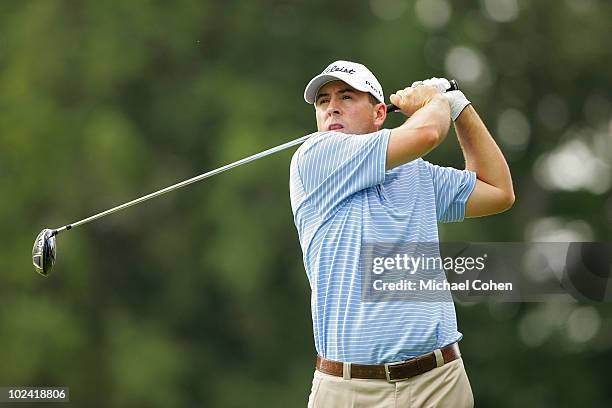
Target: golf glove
(456, 99)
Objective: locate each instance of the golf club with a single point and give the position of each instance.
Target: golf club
(44, 251)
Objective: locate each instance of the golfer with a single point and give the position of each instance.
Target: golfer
(352, 183)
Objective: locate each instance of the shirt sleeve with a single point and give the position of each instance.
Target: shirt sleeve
(452, 188)
(333, 166)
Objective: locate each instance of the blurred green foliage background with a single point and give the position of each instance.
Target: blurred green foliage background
(193, 298)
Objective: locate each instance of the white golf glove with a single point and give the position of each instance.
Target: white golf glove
(456, 99)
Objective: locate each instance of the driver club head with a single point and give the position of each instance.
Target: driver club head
(44, 251)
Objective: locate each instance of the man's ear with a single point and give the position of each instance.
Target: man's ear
(380, 114)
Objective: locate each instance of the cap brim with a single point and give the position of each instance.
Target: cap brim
(310, 93)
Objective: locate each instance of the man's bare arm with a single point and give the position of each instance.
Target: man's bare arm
(493, 192)
(426, 127)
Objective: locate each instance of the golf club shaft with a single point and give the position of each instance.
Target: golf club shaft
(184, 183)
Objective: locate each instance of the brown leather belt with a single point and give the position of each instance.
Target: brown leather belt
(391, 372)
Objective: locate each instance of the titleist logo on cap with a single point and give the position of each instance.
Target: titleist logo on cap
(335, 68)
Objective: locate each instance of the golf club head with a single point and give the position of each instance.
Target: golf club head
(43, 252)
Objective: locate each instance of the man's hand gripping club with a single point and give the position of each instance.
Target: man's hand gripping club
(456, 99)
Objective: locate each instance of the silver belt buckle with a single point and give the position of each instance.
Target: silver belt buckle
(388, 373)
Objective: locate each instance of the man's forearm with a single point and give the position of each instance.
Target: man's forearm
(481, 153)
(421, 133)
(434, 115)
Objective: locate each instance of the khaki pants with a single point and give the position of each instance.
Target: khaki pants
(445, 386)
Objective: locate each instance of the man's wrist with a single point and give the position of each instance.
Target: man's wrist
(440, 102)
(457, 102)
(438, 98)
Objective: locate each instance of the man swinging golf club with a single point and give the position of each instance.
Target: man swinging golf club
(354, 182)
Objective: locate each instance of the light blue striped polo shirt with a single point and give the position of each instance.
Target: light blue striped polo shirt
(341, 198)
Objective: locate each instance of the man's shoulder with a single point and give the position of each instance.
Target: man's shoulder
(322, 147)
(314, 142)
(320, 137)
(328, 138)
(307, 146)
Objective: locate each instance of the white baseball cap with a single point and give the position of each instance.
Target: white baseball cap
(354, 74)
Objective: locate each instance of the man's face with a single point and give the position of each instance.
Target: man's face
(342, 108)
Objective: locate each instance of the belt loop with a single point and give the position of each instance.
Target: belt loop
(346, 371)
(455, 347)
(439, 358)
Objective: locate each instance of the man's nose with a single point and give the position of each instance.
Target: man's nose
(333, 107)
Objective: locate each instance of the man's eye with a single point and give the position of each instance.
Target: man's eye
(322, 101)
(346, 97)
